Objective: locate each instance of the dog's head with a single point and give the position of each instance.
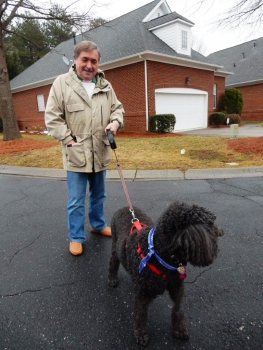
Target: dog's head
(188, 233)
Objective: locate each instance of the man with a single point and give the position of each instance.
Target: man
(81, 106)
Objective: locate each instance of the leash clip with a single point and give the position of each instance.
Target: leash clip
(133, 216)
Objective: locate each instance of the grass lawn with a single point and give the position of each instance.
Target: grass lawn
(144, 152)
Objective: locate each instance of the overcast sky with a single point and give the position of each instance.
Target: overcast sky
(208, 37)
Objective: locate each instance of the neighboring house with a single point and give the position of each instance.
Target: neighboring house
(246, 63)
(147, 56)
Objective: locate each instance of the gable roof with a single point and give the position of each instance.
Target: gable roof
(244, 60)
(122, 41)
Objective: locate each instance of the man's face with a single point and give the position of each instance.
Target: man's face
(87, 64)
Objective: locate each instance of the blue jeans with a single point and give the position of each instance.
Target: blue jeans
(77, 185)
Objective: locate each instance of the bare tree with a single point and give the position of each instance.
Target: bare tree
(27, 9)
(243, 12)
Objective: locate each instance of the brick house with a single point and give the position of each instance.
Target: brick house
(246, 63)
(147, 56)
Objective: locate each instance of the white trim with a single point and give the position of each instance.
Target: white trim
(222, 73)
(180, 91)
(245, 83)
(33, 85)
(158, 57)
(162, 2)
(171, 22)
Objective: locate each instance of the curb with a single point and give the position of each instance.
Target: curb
(140, 175)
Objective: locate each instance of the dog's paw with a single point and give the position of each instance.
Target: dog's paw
(143, 340)
(182, 334)
(113, 283)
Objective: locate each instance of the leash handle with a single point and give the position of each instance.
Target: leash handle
(111, 139)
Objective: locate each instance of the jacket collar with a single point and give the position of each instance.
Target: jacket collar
(99, 79)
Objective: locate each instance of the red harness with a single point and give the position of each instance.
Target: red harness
(137, 225)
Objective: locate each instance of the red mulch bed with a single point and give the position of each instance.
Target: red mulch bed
(247, 145)
(24, 144)
(243, 145)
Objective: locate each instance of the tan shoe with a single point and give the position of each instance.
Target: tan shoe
(75, 248)
(106, 231)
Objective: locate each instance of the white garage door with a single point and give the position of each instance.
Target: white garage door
(188, 105)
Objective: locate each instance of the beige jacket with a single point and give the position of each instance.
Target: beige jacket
(70, 112)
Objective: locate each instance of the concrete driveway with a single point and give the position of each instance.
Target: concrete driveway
(247, 130)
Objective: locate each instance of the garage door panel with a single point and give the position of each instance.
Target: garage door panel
(190, 110)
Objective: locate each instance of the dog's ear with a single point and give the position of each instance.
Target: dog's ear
(218, 231)
(201, 215)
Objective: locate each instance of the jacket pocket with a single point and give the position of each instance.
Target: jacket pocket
(75, 155)
(76, 113)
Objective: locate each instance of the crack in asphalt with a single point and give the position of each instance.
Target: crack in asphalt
(236, 187)
(200, 274)
(36, 290)
(260, 235)
(19, 250)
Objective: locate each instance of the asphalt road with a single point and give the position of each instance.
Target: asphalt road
(52, 300)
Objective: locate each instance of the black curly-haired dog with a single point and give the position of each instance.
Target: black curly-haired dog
(156, 257)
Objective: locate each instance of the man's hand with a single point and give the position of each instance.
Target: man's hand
(70, 142)
(113, 127)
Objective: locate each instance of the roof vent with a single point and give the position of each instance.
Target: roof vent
(243, 54)
(255, 43)
(234, 65)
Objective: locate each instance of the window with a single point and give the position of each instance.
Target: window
(184, 39)
(41, 103)
(214, 96)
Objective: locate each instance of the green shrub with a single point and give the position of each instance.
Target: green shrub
(231, 102)
(234, 118)
(217, 118)
(161, 122)
(1, 125)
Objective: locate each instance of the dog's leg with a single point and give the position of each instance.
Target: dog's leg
(141, 305)
(113, 269)
(179, 328)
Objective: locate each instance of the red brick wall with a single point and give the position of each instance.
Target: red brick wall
(169, 76)
(26, 108)
(129, 85)
(130, 90)
(252, 102)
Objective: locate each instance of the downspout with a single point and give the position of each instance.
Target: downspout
(146, 93)
(146, 90)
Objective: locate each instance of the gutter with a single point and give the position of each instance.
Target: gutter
(34, 85)
(154, 56)
(145, 55)
(245, 83)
